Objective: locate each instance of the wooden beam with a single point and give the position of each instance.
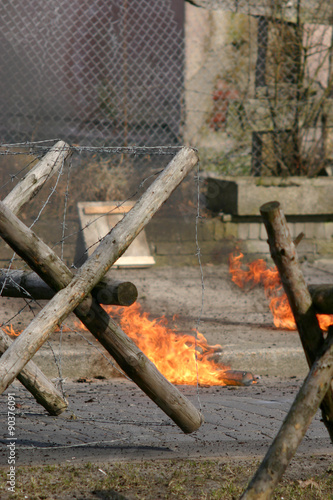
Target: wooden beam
(15, 283)
(294, 427)
(284, 254)
(31, 376)
(37, 383)
(142, 371)
(34, 180)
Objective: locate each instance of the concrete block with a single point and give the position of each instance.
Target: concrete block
(206, 229)
(219, 230)
(263, 232)
(170, 229)
(254, 230)
(256, 246)
(176, 248)
(231, 230)
(314, 230)
(328, 230)
(245, 195)
(243, 230)
(298, 227)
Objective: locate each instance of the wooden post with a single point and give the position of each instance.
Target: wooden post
(294, 427)
(130, 358)
(284, 254)
(34, 180)
(322, 298)
(37, 383)
(15, 283)
(32, 377)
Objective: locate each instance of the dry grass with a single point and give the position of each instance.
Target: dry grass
(152, 480)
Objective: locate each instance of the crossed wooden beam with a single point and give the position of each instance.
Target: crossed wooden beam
(76, 292)
(317, 389)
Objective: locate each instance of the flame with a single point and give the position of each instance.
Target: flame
(182, 359)
(9, 330)
(258, 272)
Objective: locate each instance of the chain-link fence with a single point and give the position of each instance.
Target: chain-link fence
(92, 71)
(248, 82)
(259, 85)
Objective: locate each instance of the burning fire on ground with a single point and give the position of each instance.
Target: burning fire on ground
(182, 359)
(258, 273)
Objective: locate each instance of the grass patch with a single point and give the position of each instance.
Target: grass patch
(176, 479)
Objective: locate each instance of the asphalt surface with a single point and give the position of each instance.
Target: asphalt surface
(240, 321)
(113, 420)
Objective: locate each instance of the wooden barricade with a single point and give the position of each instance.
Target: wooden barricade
(317, 389)
(75, 293)
(31, 376)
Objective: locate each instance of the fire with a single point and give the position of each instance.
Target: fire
(258, 272)
(9, 330)
(182, 359)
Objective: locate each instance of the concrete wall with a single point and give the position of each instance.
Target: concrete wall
(217, 238)
(217, 52)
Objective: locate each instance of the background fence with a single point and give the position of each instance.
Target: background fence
(91, 71)
(248, 82)
(259, 85)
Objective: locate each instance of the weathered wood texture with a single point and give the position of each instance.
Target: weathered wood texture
(15, 283)
(284, 254)
(37, 383)
(294, 427)
(142, 371)
(34, 180)
(32, 377)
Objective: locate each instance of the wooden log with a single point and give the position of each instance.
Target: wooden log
(32, 377)
(34, 180)
(142, 371)
(15, 283)
(37, 383)
(284, 254)
(322, 298)
(294, 427)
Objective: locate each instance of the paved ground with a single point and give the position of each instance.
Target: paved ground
(240, 322)
(113, 420)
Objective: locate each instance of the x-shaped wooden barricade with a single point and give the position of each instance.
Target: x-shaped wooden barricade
(317, 389)
(74, 293)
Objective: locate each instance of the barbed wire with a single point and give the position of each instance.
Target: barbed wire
(35, 148)
(43, 147)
